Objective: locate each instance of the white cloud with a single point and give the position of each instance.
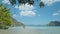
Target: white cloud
(55, 14)
(25, 7)
(38, 15)
(14, 15)
(50, 2)
(16, 7)
(27, 13)
(6, 1)
(26, 10)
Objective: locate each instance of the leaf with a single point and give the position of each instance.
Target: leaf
(13, 2)
(41, 4)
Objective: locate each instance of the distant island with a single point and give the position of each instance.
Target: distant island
(54, 23)
(51, 23)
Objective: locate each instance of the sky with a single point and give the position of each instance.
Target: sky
(34, 15)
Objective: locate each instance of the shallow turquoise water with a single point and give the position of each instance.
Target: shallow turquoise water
(32, 30)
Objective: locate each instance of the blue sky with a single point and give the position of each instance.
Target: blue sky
(34, 15)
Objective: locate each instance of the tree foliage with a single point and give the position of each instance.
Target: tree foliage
(41, 4)
(5, 17)
(54, 23)
(30, 2)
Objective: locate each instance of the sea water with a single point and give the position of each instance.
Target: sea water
(32, 30)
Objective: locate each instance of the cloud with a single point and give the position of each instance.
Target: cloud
(55, 14)
(38, 15)
(26, 10)
(50, 2)
(27, 13)
(6, 2)
(14, 15)
(25, 7)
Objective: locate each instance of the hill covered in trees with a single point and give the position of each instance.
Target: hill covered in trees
(54, 23)
(16, 23)
(51, 23)
(6, 19)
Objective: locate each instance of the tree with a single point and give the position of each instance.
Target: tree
(41, 4)
(30, 2)
(5, 17)
(54, 23)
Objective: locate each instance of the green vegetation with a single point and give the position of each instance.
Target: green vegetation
(16, 23)
(6, 20)
(54, 23)
(30, 2)
(5, 17)
(41, 4)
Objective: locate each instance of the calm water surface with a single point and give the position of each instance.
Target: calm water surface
(32, 30)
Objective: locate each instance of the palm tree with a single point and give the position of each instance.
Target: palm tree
(31, 2)
(5, 17)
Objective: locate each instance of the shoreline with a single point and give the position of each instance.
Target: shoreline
(30, 30)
